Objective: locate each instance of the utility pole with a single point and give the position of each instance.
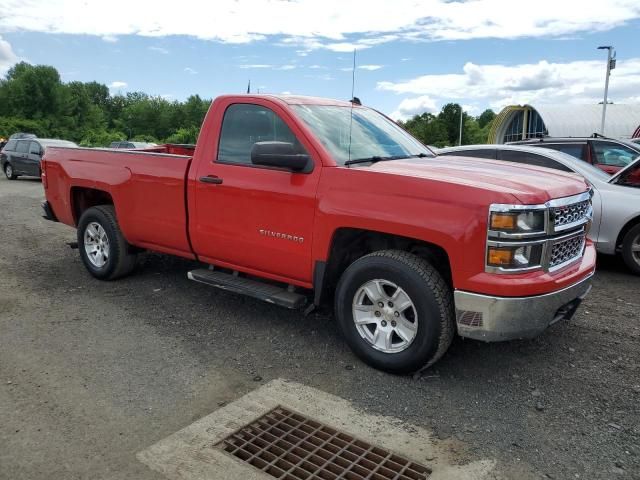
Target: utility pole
(611, 64)
(460, 129)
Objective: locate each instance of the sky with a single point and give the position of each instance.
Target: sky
(412, 56)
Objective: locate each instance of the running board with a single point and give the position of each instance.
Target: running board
(252, 288)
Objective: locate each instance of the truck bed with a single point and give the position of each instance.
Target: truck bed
(149, 185)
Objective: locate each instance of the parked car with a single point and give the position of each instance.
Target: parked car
(607, 154)
(280, 205)
(23, 156)
(131, 145)
(616, 199)
(635, 140)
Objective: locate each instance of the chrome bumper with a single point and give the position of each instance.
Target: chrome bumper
(492, 319)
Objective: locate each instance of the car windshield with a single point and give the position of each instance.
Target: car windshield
(370, 135)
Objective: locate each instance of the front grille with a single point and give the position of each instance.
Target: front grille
(570, 214)
(290, 446)
(566, 250)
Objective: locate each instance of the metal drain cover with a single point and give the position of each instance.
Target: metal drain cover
(290, 446)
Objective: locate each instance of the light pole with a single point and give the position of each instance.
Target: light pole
(460, 129)
(611, 64)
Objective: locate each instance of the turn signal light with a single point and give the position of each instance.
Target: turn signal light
(500, 256)
(503, 221)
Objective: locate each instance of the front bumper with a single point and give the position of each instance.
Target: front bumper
(492, 319)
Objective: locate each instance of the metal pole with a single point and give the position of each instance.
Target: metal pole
(460, 132)
(606, 89)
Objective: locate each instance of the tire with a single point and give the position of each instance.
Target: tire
(98, 232)
(8, 171)
(631, 249)
(429, 320)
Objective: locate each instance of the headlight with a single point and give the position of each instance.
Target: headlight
(514, 257)
(518, 222)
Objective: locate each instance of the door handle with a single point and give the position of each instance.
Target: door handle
(211, 179)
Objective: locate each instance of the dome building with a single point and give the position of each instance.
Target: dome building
(520, 122)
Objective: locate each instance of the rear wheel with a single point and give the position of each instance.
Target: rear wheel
(8, 171)
(395, 311)
(103, 248)
(631, 249)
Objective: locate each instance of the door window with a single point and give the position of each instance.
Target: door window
(243, 125)
(531, 159)
(488, 153)
(34, 148)
(613, 154)
(577, 150)
(23, 146)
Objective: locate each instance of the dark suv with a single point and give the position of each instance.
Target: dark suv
(607, 154)
(22, 156)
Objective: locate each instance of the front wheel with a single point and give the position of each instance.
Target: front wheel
(395, 311)
(631, 249)
(103, 248)
(8, 171)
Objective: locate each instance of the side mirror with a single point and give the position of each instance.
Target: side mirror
(279, 154)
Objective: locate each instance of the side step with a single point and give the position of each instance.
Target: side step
(252, 288)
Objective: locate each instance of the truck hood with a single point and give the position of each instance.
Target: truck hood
(529, 184)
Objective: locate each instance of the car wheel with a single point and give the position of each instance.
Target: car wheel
(395, 311)
(631, 249)
(8, 171)
(103, 248)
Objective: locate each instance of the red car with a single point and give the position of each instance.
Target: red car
(304, 201)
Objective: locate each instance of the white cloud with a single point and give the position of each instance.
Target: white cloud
(414, 106)
(7, 57)
(161, 50)
(117, 85)
(110, 38)
(255, 65)
(317, 67)
(286, 67)
(542, 82)
(190, 70)
(370, 67)
(312, 24)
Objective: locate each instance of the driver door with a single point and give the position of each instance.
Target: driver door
(254, 218)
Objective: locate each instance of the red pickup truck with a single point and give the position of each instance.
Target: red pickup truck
(299, 200)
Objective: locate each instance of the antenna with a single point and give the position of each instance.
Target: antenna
(249, 86)
(353, 86)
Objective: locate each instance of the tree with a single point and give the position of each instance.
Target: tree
(486, 118)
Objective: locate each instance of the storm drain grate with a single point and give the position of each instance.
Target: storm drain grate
(290, 446)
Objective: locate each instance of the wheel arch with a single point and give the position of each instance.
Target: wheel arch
(83, 198)
(348, 244)
(623, 231)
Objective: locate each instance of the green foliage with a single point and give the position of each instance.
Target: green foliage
(33, 99)
(443, 129)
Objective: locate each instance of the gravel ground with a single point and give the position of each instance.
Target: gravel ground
(92, 372)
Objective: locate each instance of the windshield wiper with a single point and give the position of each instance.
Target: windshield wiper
(377, 158)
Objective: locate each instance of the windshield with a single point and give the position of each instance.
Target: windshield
(372, 134)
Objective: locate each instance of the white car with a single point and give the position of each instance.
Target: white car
(616, 199)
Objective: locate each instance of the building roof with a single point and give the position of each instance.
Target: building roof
(576, 120)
